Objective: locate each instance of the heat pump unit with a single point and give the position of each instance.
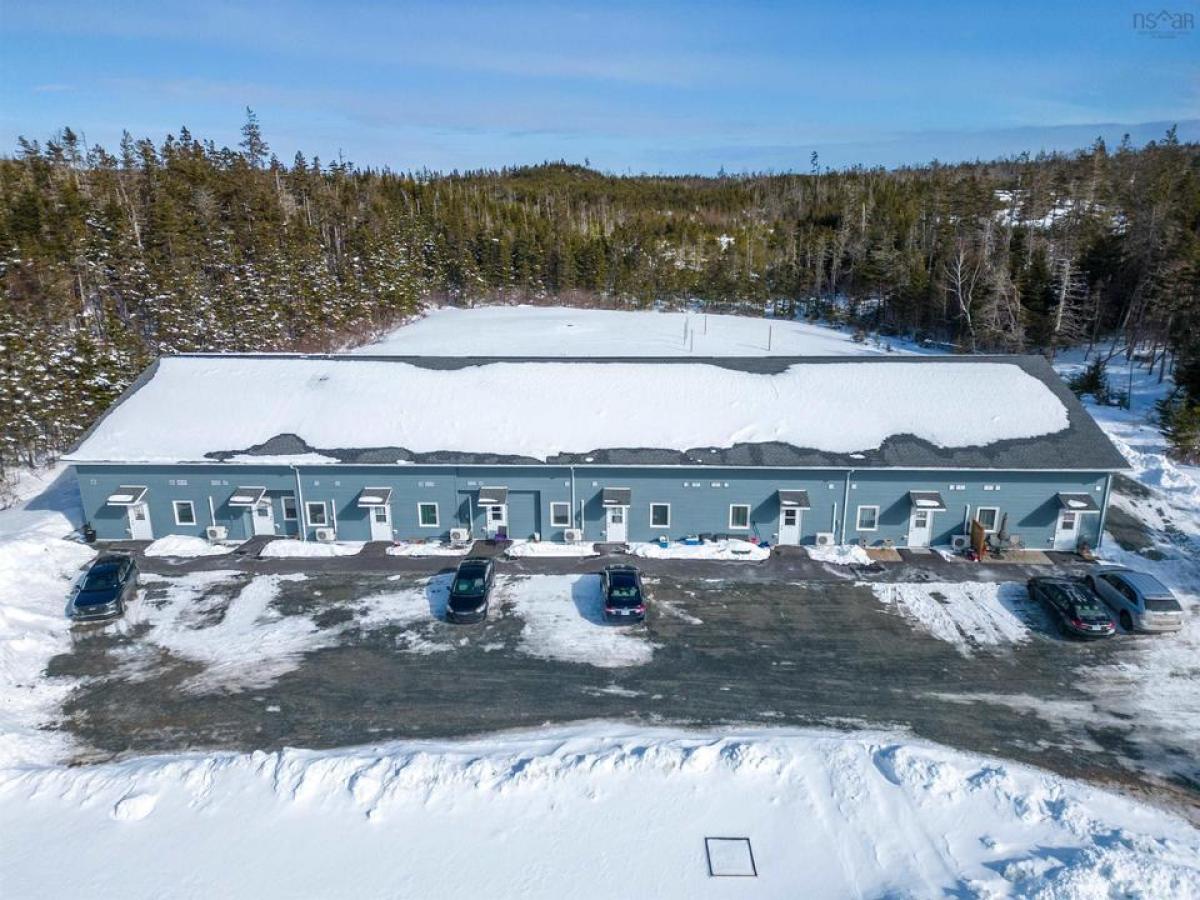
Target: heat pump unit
(824, 538)
(216, 533)
(960, 541)
(459, 535)
(326, 535)
(573, 535)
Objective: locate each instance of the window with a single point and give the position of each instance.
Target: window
(560, 515)
(315, 513)
(427, 515)
(739, 515)
(660, 515)
(380, 514)
(289, 508)
(987, 516)
(868, 518)
(185, 513)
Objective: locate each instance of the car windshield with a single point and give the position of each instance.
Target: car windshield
(623, 590)
(101, 580)
(470, 584)
(1163, 604)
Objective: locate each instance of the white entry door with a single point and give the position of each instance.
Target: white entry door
(496, 519)
(1066, 534)
(615, 529)
(920, 527)
(264, 517)
(139, 522)
(789, 525)
(381, 523)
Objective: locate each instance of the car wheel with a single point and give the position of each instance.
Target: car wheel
(1126, 620)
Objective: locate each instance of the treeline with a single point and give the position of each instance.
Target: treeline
(110, 258)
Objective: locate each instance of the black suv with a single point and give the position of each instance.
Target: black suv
(106, 589)
(470, 589)
(624, 599)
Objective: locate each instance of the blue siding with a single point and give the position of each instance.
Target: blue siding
(700, 499)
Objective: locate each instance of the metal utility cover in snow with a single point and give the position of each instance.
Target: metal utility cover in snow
(617, 497)
(1078, 503)
(375, 496)
(930, 500)
(493, 496)
(247, 496)
(127, 495)
(796, 499)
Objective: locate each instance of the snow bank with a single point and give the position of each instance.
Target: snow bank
(520, 549)
(185, 547)
(37, 571)
(840, 555)
(716, 550)
(563, 813)
(432, 548)
(564, 620)
(289, 549)
(967, 615)
(574, 333)
(194, 406)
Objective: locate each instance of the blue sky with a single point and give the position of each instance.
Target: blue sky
(666, 87)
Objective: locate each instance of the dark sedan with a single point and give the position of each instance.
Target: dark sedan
(106, 589)
(469, 591)
(624, 599)
(1079, 611)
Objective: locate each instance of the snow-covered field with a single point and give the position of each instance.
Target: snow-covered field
(967, 614)
(548, 549)
(427, 548)
(733, 549)
(181, 546)
(288, 549)
(597, 810)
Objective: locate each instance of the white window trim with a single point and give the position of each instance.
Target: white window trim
(668, 506)
(554, 523)
(437, 518)
(296, 506)
(308, 519)
(745, 506)
(175, 504)
(858, 525)
(995, 519)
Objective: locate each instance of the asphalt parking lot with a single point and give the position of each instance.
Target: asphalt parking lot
(370, 660)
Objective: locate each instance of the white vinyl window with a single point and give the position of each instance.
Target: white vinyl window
(560, 515)
(867, 519)
(988, 517)
(739, 515)
(315, 513)
(427, 515)
(185, 512)
(289, 508)
(660, 515)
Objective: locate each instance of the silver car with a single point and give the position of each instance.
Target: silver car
(1141, 601)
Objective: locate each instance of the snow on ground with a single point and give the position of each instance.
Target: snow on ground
(519, 549)
(181, 546)
(428, 548)
(290, 549)
(716, 550)
(967, 615)
(564, 620)
(596, 810)
(196, 406)
(525, 331)
(840, 555)
(37, 571)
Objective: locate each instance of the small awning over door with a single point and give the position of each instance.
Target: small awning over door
(493, 496)
(247, 497)
(794, 499)
(930, 500)
(1080, 503)
(377, 496)
(617, 496)
(127, 495)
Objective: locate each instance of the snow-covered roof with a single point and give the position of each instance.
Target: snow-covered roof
(861, 412)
